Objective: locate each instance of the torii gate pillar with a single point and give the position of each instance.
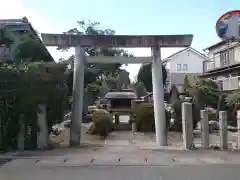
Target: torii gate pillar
(154, 41)
(158, 97)
(78, 93)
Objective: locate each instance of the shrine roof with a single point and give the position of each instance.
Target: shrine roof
(120, 95)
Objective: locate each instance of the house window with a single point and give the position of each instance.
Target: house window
(223, 58)
(227, 57)
(185, 67)
(179, 67)
(231, 56)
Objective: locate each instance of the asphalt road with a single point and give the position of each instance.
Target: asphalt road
(193, 172)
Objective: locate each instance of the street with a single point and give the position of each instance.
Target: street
(127, 163)
(193, 172)
(120, 159)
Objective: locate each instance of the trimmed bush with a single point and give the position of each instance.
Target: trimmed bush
(102, 122)
(233, 103)
(144, 117)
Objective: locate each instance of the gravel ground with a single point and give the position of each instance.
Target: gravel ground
(127, 138)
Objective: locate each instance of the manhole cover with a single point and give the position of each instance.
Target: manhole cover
(4, 161)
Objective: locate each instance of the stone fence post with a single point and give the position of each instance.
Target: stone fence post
(205, 129)
(187, 125)
(21, 133)
(238, 129)
(42, 135)
(223, 130)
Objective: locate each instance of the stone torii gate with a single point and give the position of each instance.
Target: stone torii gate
(155, 42)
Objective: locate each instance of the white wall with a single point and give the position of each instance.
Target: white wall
(237, 54)
(193, 60)
(168, 65)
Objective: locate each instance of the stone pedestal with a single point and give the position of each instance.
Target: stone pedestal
(134, 127)
(187, 123)
(205, 129)
(238, 131)
(223, 130)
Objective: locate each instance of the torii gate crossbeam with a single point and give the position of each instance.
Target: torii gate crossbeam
(155, 42)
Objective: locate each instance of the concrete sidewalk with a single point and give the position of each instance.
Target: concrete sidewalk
(120, 142)
(120, 156)
(120, 148)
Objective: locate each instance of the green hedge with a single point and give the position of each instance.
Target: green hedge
(22, 89)
(144, 117)
(102, 122)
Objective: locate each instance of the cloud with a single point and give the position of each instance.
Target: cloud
(15, 9)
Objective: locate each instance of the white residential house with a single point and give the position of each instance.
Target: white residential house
(188, 61)
(223, 65)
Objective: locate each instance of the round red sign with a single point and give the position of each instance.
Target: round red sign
(228, 26)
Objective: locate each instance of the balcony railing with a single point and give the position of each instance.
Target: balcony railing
(217, 62)
(208, 65)
(229, 84)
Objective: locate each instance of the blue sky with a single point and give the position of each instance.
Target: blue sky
(127, 17)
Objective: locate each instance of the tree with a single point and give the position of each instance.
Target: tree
(92, 28)
(23, 88)
(210, 90)
(140, 89)
(95, 73)
(145, 76)
(186, 82)
(30, 48)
